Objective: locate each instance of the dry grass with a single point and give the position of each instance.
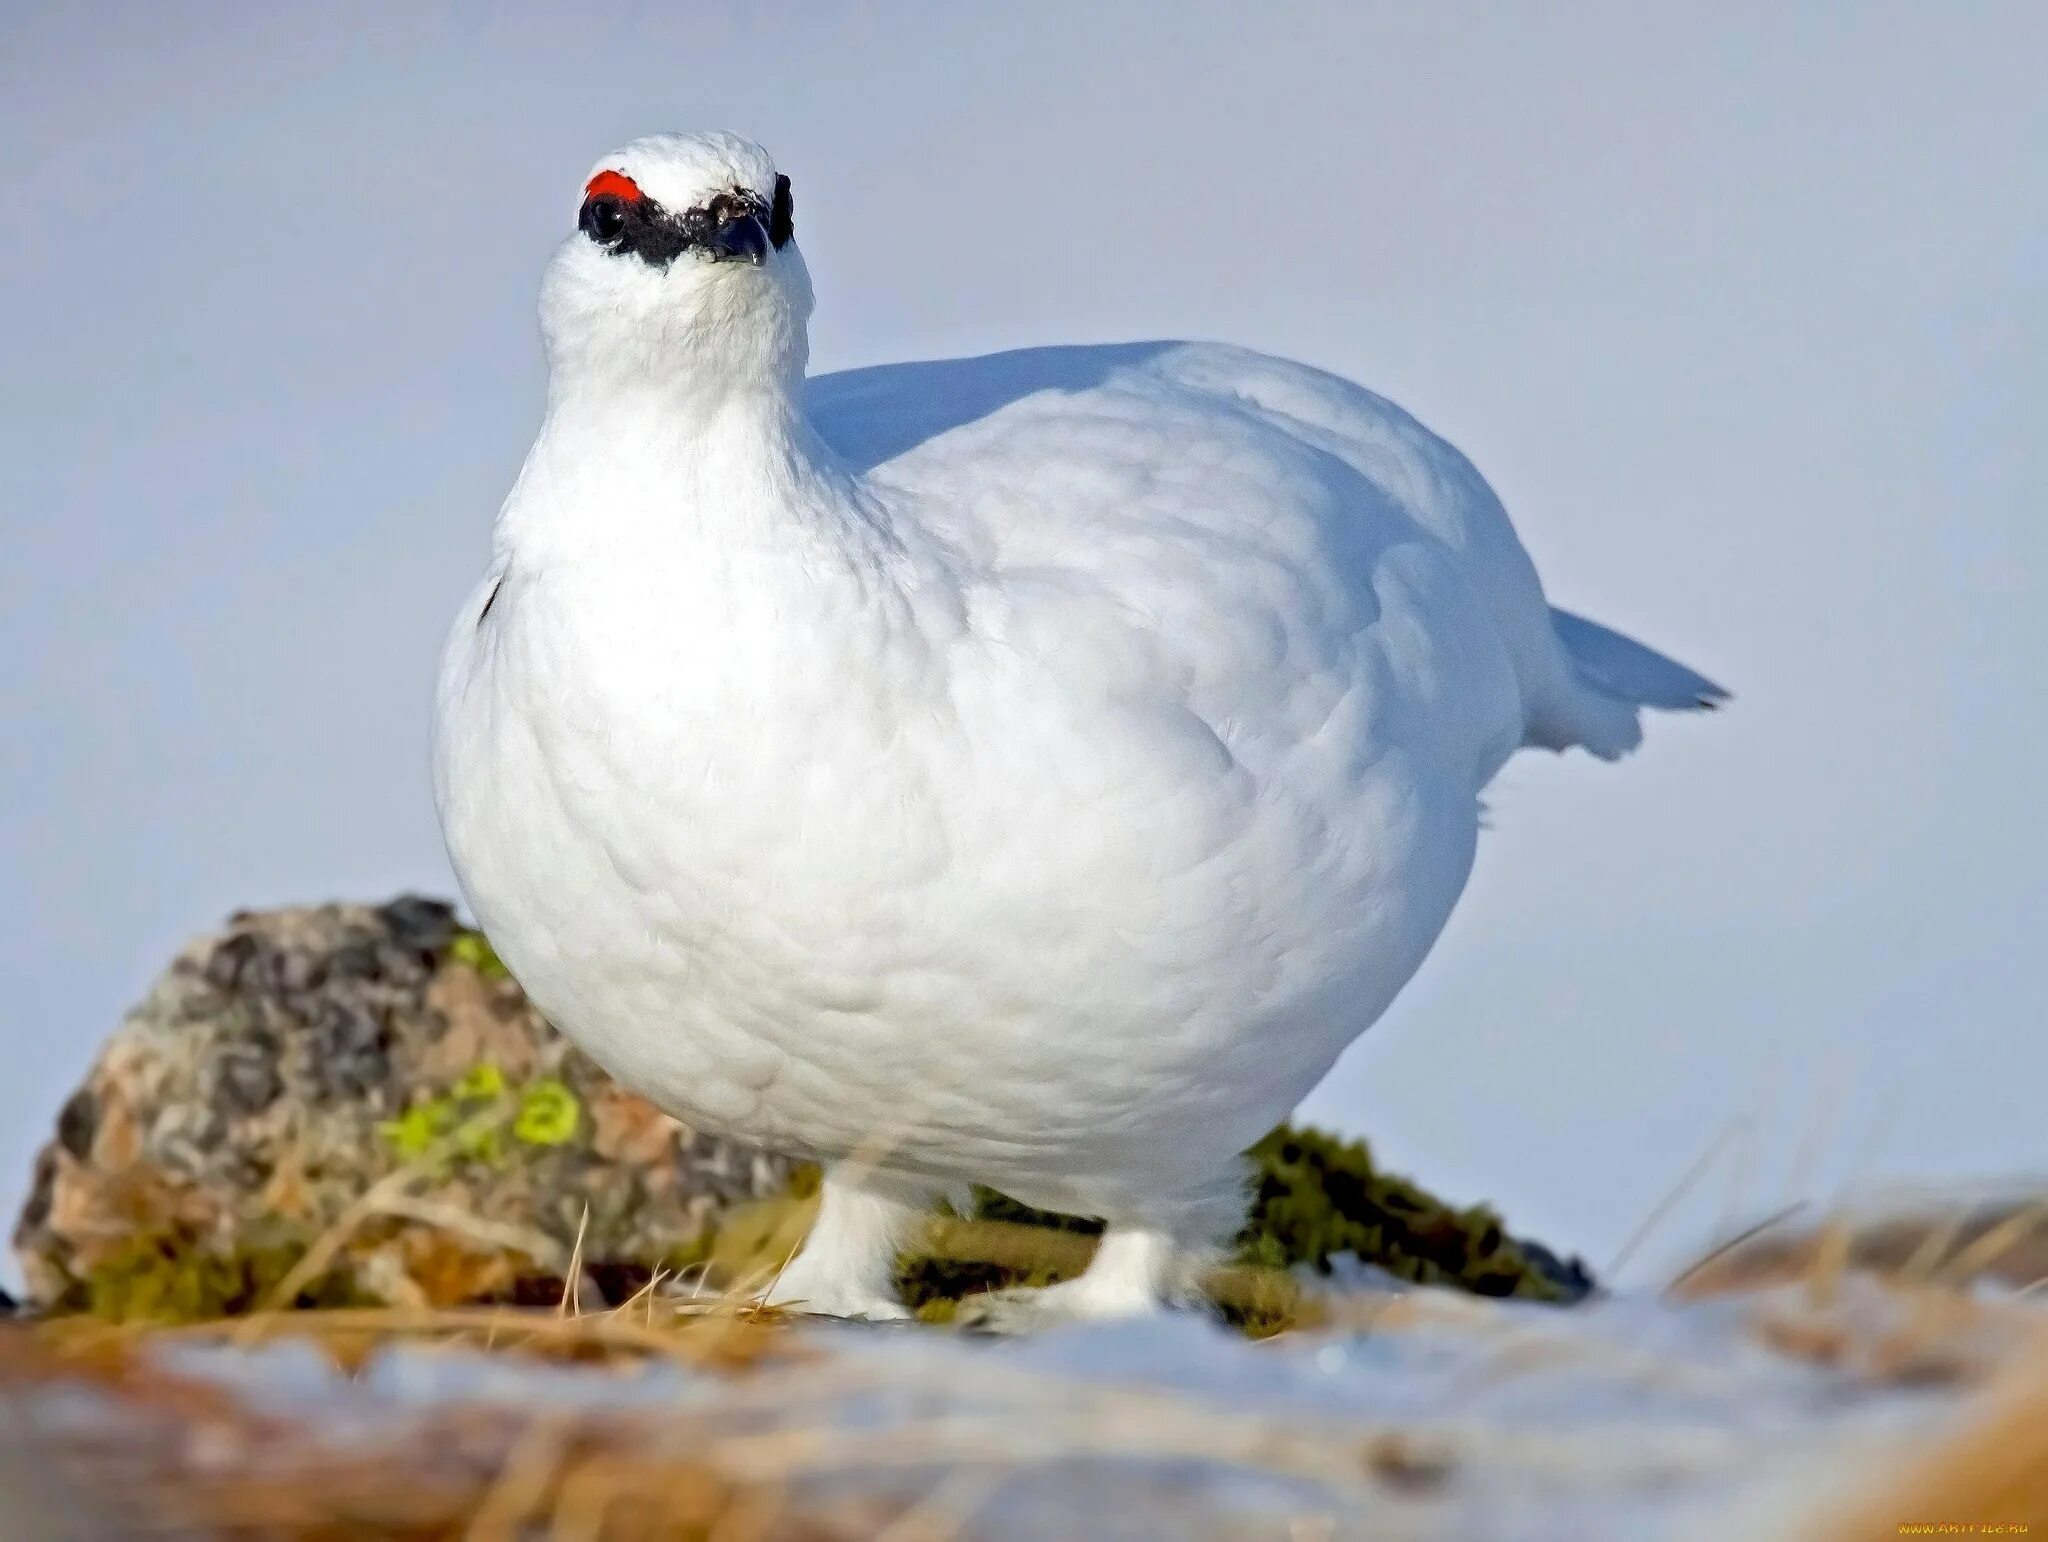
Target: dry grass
(1885, 1302)
(1993, 1472)
(1899, 1298)
(190, 1458)
(187, 1457)
(2000, 1241)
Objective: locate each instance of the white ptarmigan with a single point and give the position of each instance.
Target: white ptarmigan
(1029, 770)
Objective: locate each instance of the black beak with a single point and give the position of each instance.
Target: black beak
(740, 239)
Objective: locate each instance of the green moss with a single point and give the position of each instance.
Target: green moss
(992, 1206)
(1314, 1197)
(172, 1278)
(1317, 1196)
(931, 1285)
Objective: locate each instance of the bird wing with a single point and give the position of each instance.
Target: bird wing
(1138, 462)
(1172, 523)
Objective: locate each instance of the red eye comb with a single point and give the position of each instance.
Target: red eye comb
(613, 184)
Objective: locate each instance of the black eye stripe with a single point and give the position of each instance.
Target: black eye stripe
(650, 232)
(782, 216)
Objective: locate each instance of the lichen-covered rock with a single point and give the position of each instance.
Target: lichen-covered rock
(353, 1105)
(275, 1078)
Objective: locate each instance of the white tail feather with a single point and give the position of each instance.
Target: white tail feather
(1612, 679)
(1623, 668)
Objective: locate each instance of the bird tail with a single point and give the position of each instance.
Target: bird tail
(1613, 679)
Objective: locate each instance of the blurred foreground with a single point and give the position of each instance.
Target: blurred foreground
(1838, 1402)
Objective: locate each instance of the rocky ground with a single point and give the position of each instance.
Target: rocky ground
(358, 1104)
(339, 1240)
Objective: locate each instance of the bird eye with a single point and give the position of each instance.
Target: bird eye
(603, 218)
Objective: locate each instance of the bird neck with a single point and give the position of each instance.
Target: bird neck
(667, 465)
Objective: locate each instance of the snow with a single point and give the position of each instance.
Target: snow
(1417, 1413)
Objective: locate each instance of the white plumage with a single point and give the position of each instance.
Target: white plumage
(1030, 770)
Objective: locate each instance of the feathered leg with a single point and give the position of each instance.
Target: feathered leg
(847, 1264)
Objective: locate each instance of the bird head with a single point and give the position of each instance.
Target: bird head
(682, 267)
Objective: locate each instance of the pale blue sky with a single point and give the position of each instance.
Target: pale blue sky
(1742, 307)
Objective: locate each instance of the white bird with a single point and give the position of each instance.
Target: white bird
(1029, 770)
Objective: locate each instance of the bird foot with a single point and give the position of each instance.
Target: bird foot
(1029, 1309)
(825, 1297)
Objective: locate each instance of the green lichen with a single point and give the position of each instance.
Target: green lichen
(470, 947)
(548, 1114)
(412, 1134)
(480, 1083)
(468, 1121)
(444, 1129)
